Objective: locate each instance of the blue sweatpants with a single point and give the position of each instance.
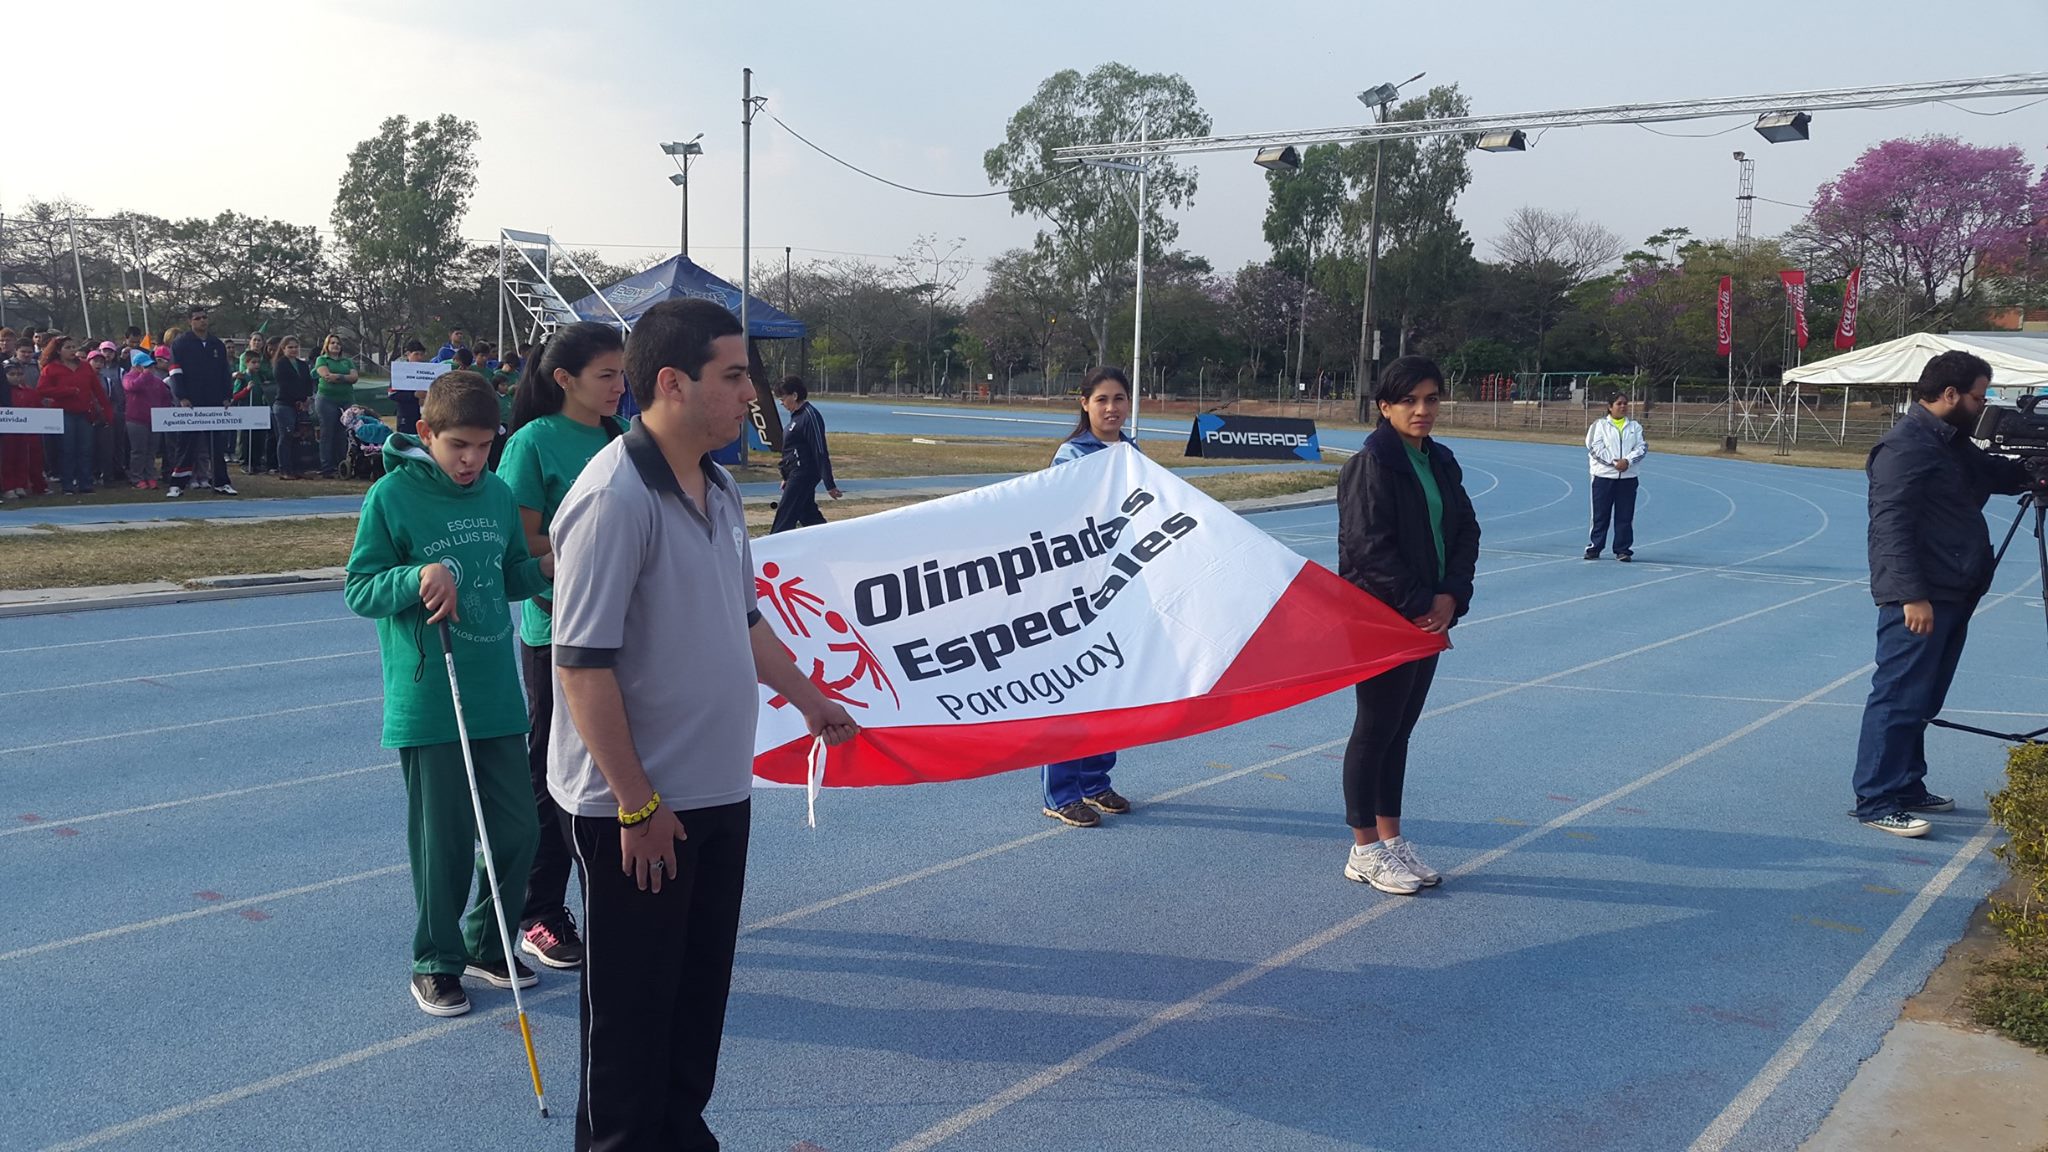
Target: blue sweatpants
(1069, 780)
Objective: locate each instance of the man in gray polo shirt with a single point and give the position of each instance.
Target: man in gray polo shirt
(658, 648)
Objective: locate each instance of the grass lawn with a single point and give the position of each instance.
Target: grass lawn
(183, 551)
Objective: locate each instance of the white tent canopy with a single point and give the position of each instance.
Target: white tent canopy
(2018, 360)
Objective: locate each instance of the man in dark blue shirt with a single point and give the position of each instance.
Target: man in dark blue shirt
(805, 461)
(1930, 562)
(205, 379)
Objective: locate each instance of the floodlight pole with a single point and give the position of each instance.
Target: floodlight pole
(78, 265)
(746, 205)
(141, 277)
(1138, 309)
(1368, 375)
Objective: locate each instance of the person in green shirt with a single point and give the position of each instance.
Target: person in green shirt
(560, 418)
(335, 391)
(440, 540)
(1406, 533)
(255, 384)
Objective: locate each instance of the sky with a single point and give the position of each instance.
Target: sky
(253, 105)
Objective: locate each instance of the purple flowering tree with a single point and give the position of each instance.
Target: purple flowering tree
(1926, 215)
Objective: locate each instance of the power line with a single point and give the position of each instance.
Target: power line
(1060, 175)
(2000, 112)
(1741, 124)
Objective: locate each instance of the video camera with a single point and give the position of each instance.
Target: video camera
(2020, 432)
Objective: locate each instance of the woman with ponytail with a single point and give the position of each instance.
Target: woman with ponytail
(561, 417)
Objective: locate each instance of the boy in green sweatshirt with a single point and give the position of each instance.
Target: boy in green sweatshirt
(440, 539)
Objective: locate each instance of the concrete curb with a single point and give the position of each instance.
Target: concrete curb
(282, 586)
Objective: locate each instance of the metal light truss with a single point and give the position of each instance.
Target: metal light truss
(1883, 96)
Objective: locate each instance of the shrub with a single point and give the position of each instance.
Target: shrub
(2022, 809)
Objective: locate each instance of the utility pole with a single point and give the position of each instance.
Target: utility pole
(1138, 308)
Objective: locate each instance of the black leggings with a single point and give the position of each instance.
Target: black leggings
(547, 885)
(1376, 760)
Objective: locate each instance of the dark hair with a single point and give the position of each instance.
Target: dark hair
(53, 348)
(674, 334)
(1095, 378)
(794, 386)
(465, 358)
(459, 400)
(195, 310)
(1956, 369)
(1617, 398)
(412, 346)
(1400, 379)
(571, 349)
(132, 332)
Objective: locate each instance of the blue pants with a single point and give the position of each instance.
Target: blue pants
(1615, 499)
(1908, 689)
(76, 463)
(1069, 780)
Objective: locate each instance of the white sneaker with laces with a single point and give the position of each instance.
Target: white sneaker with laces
(173, 492)
(225, 490)
(1373, 864)
(1404, 851)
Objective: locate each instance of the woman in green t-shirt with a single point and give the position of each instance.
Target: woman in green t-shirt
(336, 390)
(1406, 534)
(562, 415)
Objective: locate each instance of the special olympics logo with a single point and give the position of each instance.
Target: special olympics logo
(848, 670)
(625, 293)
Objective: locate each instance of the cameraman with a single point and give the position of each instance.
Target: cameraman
(1930, 562)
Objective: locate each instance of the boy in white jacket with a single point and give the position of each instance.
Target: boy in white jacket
(1615, 449)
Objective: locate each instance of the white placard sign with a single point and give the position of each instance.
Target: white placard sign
(407, 376)
(233, 419)
(31, 421)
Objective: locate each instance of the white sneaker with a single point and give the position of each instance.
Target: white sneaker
(1373, 864)
(226, 490)
(1404, 851)
(173, 492)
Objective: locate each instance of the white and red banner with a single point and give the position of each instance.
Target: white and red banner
(1795, 295)
(1089, 607)
(1724, 318)
(1845, 332)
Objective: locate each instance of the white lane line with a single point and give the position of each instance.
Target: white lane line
(74, 742)
(304, 1072)
(49, 822)
(196, 913)
(192, 672)
(1095, 1053)
(1583, 528)
(1740, 1110)
(990, 419)
(179, 635)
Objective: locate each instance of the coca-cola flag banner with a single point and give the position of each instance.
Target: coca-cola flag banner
(1795, 295)
(1724, 318)
(1092, 606)
(1845, 332)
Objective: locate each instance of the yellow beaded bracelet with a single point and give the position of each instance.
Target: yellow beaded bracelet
(628, 819)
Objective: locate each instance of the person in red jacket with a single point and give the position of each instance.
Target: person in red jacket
(21, 456)
(70, 384)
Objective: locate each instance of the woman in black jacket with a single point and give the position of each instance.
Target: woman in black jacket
(288, 409)
(1406, 534)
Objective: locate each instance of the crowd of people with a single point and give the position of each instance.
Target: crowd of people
(107, 392)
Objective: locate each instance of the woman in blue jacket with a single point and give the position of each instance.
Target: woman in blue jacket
(1076, 790)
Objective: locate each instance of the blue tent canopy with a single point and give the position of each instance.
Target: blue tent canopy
(680, 278)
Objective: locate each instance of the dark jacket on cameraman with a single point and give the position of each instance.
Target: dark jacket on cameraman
(1384, 544)
(804, 456)
(1928, 487)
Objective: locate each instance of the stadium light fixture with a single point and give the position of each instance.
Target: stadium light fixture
(1280, 158)
(1783, 127)
(1513, 140)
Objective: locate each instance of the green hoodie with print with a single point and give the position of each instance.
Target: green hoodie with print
(414, 516)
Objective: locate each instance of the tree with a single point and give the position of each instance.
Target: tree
(398, 216)
(860, 307)
(1092, 233)
(1547, 254)
(1306, 208)
(934, 268)
(249, 270)
(1922, 214)
(1426, 258)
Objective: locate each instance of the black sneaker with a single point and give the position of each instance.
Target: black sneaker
(492, 972)
(552, 941)
(1900, 824)
(1108, 803)
(1931, 803)
(1592, 553)
(1624, 557)
(439, 994)
(1078, 814)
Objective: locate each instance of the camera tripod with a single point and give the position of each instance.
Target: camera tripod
(2029, 501)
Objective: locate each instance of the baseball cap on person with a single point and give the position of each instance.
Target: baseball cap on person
(140, 359)
(96, 354)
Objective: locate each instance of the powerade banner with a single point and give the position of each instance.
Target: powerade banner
(1254, 438)
(1092, 606)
